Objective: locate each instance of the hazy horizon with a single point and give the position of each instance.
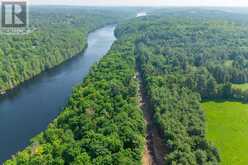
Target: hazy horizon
(155, 3)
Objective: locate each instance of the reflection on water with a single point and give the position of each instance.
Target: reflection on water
(28, 109)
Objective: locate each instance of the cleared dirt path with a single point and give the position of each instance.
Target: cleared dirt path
(154, 149)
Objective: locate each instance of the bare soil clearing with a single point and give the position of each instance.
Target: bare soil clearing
(154, 149)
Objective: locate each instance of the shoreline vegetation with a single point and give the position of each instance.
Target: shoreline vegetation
(2, 93)
(185, 58)
(24, 57)
(102, 124)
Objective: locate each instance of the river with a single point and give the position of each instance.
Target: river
(28, 109)
(141, 14)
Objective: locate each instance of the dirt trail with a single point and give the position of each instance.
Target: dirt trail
(154, 148)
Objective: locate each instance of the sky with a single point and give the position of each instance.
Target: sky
(231, 3)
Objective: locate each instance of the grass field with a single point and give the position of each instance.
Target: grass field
(243, 87)
(227, 129)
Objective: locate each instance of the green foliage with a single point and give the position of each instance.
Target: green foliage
(102, 123)
(60, 33)
(183, 59)
(177, 56)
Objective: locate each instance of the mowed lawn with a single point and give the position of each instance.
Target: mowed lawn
(243, 87)
(227, 129)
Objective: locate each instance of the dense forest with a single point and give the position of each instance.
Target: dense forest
(102, 123)
(177, 108)
(184, 59)
(57, 35)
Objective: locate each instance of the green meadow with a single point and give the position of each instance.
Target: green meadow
(243, 87)
(227, 129)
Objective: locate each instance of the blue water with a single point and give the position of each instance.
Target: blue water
(28, 109)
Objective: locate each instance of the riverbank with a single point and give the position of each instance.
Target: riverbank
(102, 121)
(71, 57)
(28, 109)
(15, 86)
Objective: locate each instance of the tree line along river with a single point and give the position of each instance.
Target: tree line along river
(28, 109)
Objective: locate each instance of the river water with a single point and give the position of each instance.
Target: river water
(28, 109)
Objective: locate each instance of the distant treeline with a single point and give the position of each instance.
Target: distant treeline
(183, 60)
(60, 33)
